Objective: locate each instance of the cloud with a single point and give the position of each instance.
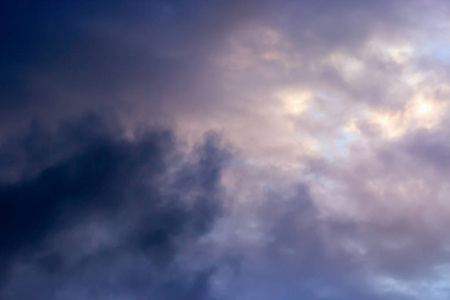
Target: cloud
(336, 186)
(110, 200)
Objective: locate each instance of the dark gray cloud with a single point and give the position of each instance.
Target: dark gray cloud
(107, 183)
(61, 59)
(100, 208)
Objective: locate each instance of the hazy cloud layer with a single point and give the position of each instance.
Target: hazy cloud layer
(224, 150)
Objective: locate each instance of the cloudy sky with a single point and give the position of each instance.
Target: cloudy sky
(225, 150)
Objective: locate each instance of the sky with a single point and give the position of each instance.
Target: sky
(224, 150)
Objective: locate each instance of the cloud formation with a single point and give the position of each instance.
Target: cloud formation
(224, 150)
(109, 199)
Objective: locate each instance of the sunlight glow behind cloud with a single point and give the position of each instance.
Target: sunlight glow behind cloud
(225, 150)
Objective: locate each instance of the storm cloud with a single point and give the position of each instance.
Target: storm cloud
(224, 150)
(111, 182)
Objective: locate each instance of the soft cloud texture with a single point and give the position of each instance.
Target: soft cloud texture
(224, 150)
